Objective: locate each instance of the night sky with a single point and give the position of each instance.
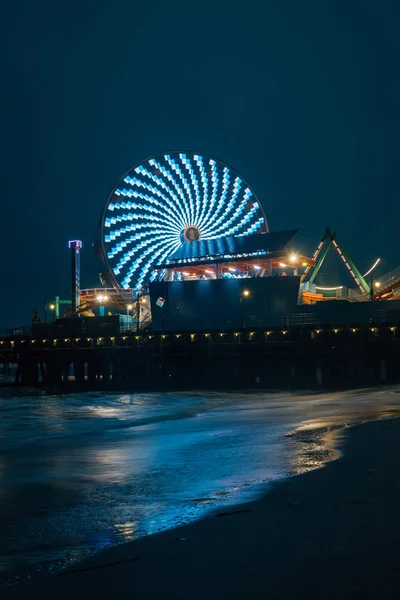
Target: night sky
(302, 98)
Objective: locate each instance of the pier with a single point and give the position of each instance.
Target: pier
(297, 357)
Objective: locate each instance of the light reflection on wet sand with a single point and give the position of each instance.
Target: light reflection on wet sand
(82, 472)
(317, 441)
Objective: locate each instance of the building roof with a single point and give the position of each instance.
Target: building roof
(231, 247)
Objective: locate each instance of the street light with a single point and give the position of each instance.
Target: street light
(294, 260)
(374, 285)
(47, 306)
(244, 294)
(129, 307)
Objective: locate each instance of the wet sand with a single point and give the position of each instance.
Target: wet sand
(330, 533)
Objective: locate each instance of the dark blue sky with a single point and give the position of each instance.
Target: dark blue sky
(302, 98)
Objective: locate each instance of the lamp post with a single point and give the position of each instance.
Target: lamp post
(374, 285)
(293, 258)
(128, 310)
(101, 299)
(243, 294)
(137, 312)
(50, 306)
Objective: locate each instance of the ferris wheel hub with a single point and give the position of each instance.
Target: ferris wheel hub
(191, 233)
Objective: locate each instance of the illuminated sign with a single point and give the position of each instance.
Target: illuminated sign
(191, 234)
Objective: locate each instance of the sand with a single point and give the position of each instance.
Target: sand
(330, 533)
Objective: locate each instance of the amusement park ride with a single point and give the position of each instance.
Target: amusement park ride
(386, 287)
(183, 216)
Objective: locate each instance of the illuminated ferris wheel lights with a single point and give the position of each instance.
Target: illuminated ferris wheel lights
(156, 202)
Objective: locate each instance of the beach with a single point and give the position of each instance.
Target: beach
(327, 533)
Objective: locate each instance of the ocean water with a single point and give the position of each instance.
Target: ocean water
(81, 472)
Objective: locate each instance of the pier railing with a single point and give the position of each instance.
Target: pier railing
(391, 278)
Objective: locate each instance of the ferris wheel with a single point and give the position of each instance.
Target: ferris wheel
(167, 201)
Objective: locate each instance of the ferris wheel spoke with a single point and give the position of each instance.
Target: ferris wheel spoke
(186, 162)
(159, 256)
(222, 199)
(133, 239)
(150, 203)
(137, 227)
(176, 167)
(241, 219)
(168, 175)
(159, 181)
(148, 215)
(129, 263)
(151, 216)
(231, 206)
(149, 240)
(244, 227)
(225, 220)
(215, 183)
(148, 212)
(206, 200)
(253, 228)
(164, 197)
(151, 254)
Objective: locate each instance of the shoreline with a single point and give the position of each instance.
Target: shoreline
(14, 390)
(329, 532)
